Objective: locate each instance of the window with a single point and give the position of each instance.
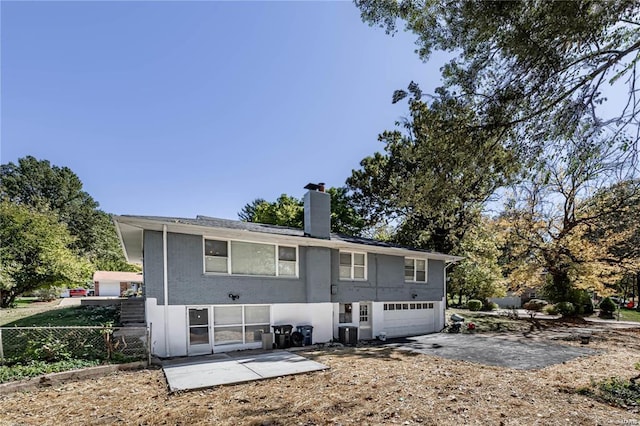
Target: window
(415, 270)
(215, 256)
(287, 260)
(345, 313)
(364, 312)
(353, 266)
(243, 258)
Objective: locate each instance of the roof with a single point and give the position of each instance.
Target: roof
(130, 232)
(117, 276)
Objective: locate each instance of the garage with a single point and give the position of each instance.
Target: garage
(409, 318)
(109, 289)
(115, 283)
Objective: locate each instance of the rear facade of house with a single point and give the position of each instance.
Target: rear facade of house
(214, 285)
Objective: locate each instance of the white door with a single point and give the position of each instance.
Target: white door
(409, 318)
(364, 331)
(199, 334)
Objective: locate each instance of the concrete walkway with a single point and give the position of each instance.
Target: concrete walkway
(222, 369)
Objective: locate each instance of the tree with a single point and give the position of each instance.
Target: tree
(533, 67)
(36, 252)
(435, 174)
(289, 211)
(552, 216)
(57, 190)
(478, 275)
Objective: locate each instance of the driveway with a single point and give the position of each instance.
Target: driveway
(492, 350)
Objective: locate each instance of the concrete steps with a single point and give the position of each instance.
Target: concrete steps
(132, 312)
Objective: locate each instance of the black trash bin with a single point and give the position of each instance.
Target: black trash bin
(307, 333)
(282, 335)
(348, 335)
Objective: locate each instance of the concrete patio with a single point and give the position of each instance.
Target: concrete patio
(223, 369)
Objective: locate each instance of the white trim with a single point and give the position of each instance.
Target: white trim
(353, 265)
(415, 270)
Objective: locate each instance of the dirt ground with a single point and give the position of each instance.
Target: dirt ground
(365, 386)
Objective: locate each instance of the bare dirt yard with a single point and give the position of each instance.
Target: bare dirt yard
(367, 385)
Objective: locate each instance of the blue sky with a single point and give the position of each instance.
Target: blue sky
(178, 109)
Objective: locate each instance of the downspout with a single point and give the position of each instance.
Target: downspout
(165, 288)
(446, 299)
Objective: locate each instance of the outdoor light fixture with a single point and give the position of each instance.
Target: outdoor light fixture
(234, 296)
(414, 295)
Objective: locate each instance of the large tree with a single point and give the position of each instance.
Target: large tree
(552, 217)
(35, 253)
(534, 67)
(437, 171)
(289, 211)
(49, 188)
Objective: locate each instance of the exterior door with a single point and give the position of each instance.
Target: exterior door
(199, 331)
(365, 332)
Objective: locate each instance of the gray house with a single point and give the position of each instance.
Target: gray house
(214, 285)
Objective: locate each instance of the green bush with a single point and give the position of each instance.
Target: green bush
(474, 305)
(50, 349)
(490, 306)
(566, 309)
(551, 310)
(47, 294)
(607, 307)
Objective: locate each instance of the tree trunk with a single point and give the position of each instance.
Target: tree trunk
(7, 298)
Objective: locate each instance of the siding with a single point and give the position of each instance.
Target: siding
(318, 272)
(385, 281)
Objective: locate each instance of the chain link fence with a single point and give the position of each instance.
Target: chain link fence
(119, 344)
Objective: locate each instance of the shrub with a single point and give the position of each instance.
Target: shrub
(49, 349)
(566, 309)
(474, 305)
(551, 310)
(491, 306)
(47, 294)
(535, 305)
(607, 307)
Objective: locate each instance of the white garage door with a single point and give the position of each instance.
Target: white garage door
(409, 318)
(109, 289)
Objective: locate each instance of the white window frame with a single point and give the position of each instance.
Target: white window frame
(415, 270)
(352, 269)
(230, 256)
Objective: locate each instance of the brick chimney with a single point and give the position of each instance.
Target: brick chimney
(317, 211)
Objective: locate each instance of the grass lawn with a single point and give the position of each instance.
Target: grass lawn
(71, 316)
(629, 315)
(25, 307)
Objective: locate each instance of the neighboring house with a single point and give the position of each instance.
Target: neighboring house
(214, 285)
(510, 300)
(109, 283)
